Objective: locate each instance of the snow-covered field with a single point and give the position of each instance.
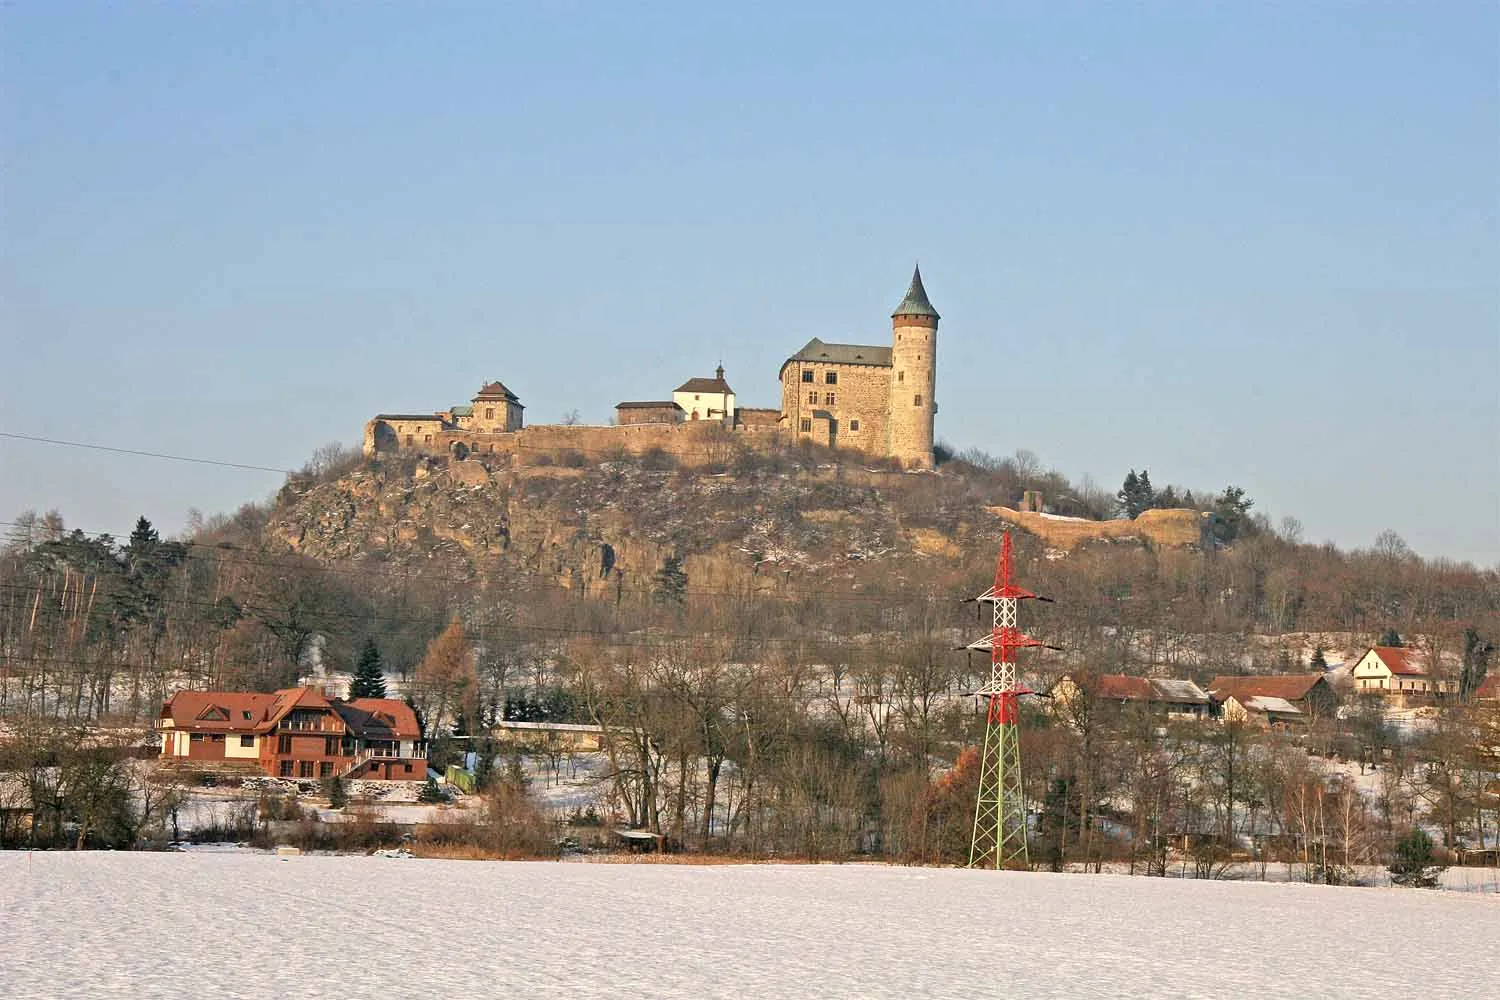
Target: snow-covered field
(253, 925)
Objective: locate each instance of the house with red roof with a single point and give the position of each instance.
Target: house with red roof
(1273, 699)
(1396, 671)
(294, 733)
(1172, 698)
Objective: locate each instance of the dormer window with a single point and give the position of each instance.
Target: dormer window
(246, 716)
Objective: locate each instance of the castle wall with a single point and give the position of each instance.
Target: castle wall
(692, 443)
(857, 413)
(912, 375)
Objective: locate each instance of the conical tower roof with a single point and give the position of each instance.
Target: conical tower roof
(915, 303)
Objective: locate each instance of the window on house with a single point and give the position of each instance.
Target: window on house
(854, 425)
(828, 399)
(427, 439)
(916, 400)
(832, 378)
(807, 375)
(246, 715)
(806, 424)
(410, 439)
(283, 744)
(218, 737)
(196, 738)
(305, 769)
(901, 376)
(247, 741)
(489, 413)
(406, 768)
(325, 769)
(286, 769)
(812, 397)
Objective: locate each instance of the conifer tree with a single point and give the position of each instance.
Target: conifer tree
(369, 673)
(1319, 661)
(671, 582)
(1390, 637)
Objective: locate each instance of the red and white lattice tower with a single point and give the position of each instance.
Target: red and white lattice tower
(1000, 811)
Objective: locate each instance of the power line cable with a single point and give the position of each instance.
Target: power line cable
(143, 454)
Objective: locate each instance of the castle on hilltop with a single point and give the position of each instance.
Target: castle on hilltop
(874, 399)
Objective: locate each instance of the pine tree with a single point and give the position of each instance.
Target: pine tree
(1476, 663)
(1136, 496)
(369, 673)
(671, 582)
(431, 793)
(1319, 661)
(337, 797)
(1390, 637)
(1414, 865)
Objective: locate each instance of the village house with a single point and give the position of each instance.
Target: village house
(294, 733)
(1396, 672)
(1275, 700)
(1172, 698)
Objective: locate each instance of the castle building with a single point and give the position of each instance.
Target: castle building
(873, 398)
(876, 399)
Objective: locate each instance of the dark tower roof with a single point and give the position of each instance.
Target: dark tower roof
(915, 303)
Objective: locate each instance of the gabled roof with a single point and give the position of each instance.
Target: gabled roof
(218, 711)
(1291, 687)
(650, 404)
(1265, 705)
(916, 303)
(706, 385)
(842, 354)
(379, 718)
(493, 391)
(1400, 660)
(1122, 687)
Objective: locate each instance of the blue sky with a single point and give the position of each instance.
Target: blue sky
(1232, 243)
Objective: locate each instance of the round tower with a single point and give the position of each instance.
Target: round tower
(913, 371)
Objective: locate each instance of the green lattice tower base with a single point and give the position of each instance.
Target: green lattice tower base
(1000, 809)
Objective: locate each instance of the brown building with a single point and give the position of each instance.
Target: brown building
(657, 411)
(295, 733)
(1274, 699)
(1172, 698)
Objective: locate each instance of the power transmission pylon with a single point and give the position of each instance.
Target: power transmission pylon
(1000, 808)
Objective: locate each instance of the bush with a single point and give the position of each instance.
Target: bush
(1414, 865)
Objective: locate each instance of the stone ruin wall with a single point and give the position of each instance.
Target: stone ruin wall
(700, 443)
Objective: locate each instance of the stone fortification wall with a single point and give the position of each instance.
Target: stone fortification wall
(692, 443)
(1176, 527)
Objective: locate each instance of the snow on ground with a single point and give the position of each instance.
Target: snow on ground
(123, 925)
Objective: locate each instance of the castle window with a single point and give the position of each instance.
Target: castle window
(916, 401)
(828, 399)
(807, 375)
(832, 378)
(806, 425)
(489, 413)
(901, 376)
(812, 397)
(409, 439)
(854, 425)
